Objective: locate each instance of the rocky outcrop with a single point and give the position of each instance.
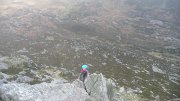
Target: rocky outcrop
(98, 88)
(24, 79)
(57, 90)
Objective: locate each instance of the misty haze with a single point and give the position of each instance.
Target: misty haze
(134, 43)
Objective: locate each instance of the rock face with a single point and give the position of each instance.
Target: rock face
(57, 90)
(98, 89)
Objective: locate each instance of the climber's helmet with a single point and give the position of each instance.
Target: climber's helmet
(85, 67)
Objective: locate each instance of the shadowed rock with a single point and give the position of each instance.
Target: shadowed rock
(99, 88)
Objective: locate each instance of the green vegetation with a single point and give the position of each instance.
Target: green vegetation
(12, 70)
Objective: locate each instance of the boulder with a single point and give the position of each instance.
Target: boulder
(156, 22)
(24, 79)
(3, 78)
(3, 81)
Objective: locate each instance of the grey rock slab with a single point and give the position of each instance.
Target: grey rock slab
(101, 89)
(54, 91)
(98, 87)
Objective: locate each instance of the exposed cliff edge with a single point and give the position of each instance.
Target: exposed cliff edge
(60, 90)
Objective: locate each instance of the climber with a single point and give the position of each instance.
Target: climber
(84, 72)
